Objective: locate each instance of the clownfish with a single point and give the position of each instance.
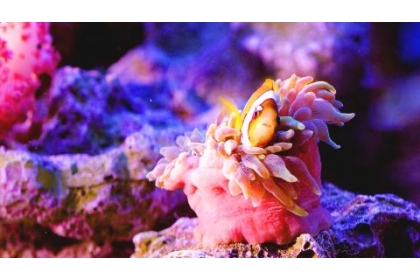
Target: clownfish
(259, 118)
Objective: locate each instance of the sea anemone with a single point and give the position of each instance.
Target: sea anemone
(268, 154)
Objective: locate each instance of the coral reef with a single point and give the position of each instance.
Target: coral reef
(267, 153)
(78, 144)
(27, 59)
(363, 226)
(80, 199)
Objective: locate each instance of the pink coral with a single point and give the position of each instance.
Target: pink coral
(26, 53)
(279, 178)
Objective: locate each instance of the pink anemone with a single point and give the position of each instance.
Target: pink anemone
(252, 194)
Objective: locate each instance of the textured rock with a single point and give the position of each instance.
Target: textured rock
(178, 241)
(27, 239)
(382, 225)
(89, 113)
(81, 198)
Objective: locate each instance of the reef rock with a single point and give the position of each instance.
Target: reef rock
(382, 225)
(48, 203)
(89, 112)
(178, 242)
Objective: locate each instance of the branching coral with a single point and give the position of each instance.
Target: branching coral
(26, 53)
(268, 154)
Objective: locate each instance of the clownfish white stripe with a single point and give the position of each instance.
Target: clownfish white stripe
(255, 107)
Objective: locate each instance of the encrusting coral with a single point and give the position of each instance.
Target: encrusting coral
(268, 153)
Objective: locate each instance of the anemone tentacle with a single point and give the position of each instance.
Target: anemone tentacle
(302, 111)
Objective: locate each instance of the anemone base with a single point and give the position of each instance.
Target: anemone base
(225, 219)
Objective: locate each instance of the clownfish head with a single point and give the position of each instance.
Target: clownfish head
(259, 118)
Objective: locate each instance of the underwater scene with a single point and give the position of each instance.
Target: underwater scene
(210, 140)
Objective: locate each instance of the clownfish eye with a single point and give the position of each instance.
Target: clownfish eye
(255, 115)
(257, 112)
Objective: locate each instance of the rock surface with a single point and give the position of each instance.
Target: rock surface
(77, 200)
(89, 112)
(382, 225)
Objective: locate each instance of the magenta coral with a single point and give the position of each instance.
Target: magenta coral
(26, 52)
(255, 176)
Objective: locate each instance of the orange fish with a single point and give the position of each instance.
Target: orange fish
(259, 118)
